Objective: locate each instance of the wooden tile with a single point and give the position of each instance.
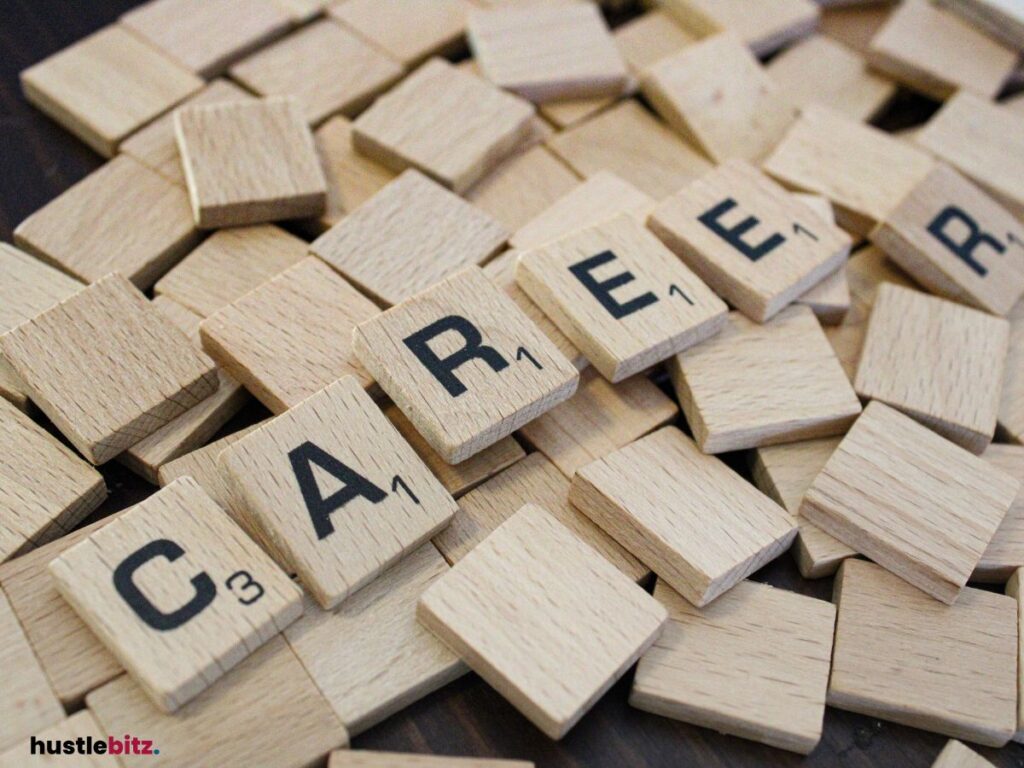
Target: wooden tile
(649, 38)
(106, 86)
(709, 225)
(956, 755)
(235, 724)
(703, 530)
(175, 654)
(1011, 401)
(47, 489)
(519, 376)
(717, 95)
(249, 163)
(1005, 552)
(121, 218)
(534, 480)
(409, 32)
(830, 299)
(407, 237)
(327, 68)
(578, 620)
(81, 725)
(899, 655)
(412, 125)
(820, 70)
(290, 337)
(369, 657)
(910, 500)
(854, 25)
(765, 26)
(1001, 19)
(934, 51)
(621, 331)
(207, 36)
(864, 172)
(301, 11)
(633, 144)
(985, 142)
(1013, 589)
(364, 759)
(78, 360)
(155, 145)
(547, 52)
(565, 114)
(380, 503)
(939, 362)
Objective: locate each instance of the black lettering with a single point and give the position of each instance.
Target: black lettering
(602, 289)
(248, 583)
(734, 237)
(443, 369)
(124, 583)
(966, 246)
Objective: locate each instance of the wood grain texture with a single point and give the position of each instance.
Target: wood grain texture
(1001, 19)
(956, 755)
(291, 336)
(1013, 589)
(80, 725)
(364, 759)
(764, 27)
(829, 299)
(650, 37)
(902, 656)
(686, 515)
(1005, 551)
(1011, 400)
(556, 644)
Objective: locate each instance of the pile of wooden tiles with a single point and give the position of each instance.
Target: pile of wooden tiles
(463, 289)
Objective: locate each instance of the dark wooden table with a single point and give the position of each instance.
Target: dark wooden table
(38, 160)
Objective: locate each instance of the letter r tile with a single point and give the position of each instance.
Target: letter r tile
(177, 592)
(464, 364)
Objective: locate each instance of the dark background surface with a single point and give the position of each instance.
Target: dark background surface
(38, 160)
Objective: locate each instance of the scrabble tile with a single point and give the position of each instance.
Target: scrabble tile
(207, 36)
(409, 32)
(764, 26)
(461, 409)
(380, 503)
(650, 37)
(202, 466)
(577, 620)
(717, 95)
(327, 68)
(547, 53)
(301, 11)
(621, 331)
(266, 711)
(412, 125)
(864, 172)
(1013, 589)
(754, 664)
(820, 70)
(81, 725)
(1001, 19)
(106, 86)
(853, 25)
(79, 358)
(28, 704)
(910, 500)
(939, 362)
(46, 491)
(985, 142)
(155, 145)
(956, 755)
(534, 480)
(830, 299)
(122, 217)
(1011, 401)
(364, 759)
(565, 114)
(407, 237)
(899, 656)
(1005, 552)
(464, 476)
(249, 163)
(291, 336)
(633, 144)
(686, 515)
(175, 654)
(370, 657)
(934, 51)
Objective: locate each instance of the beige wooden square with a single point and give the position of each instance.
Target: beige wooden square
(937, 361)
(1013, 589)
(650, 37)
(1011, 402)
(755, 244)
(577, 620)
(122, 217)
(1001, 19)
(369, 657)
(864, 172)
(717, 95)
(414, 125)
(464, 364)
(764, 26)
(565, 114)
(407, 237)
(106, 86)
(956, 755)
(1005, 552)
(910, 500)
(633, 144)
(178, 634)
(327, 68)
(80, 360)
(830, 299)
(290, 337)
(207, 36)
(853, 25)
(350, 758)
(79, 725)
(899, 655)
(337, 490)
(934, 51)
(620, 296)
(688, 516)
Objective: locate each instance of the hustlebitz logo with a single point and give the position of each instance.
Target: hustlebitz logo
(87, 745)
